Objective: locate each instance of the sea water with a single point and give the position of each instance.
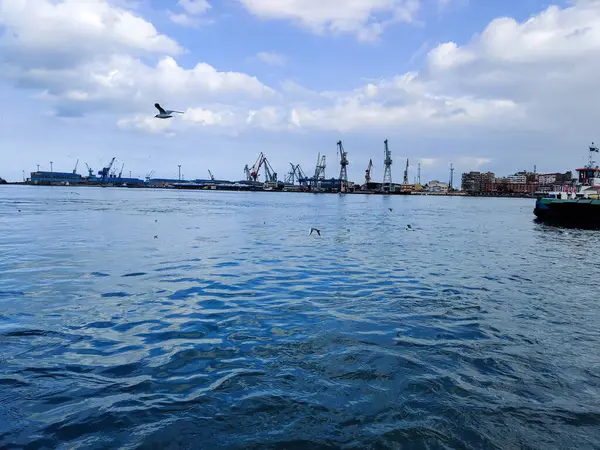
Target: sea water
(134, 318)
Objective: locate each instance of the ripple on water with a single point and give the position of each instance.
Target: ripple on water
(237, 330)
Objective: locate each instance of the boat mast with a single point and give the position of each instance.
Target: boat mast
(593, 149)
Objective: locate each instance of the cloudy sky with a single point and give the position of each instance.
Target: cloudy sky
(495, 85)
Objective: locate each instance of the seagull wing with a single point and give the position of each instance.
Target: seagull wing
(160, 110)
(318, 232)
(171, 112)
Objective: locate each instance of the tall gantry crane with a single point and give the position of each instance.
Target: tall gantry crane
(405, 181)
(105, 172)
(343, 163)
(252, 173)
(387, 174)
(90, 171)
(319, 170)
(76, 164)
(296, 173)
(292, 175)
(368, 172)
(270, 174)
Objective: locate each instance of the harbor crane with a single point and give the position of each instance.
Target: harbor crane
(121, 172)
(252, 173)
(368, 172)
(76, 164)
(212, 178)
(405, 181)
(290, 178)
(387, 174)
(270, 174)
(343, 163)
(319, 170)
(105, 172)
(90, 171)
(296, 174)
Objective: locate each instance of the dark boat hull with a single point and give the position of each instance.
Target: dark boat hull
(581, 213)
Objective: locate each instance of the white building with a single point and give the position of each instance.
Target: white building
(517, 178)
(437, 186)
(547, 178)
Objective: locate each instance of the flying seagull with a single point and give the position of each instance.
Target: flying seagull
(314, 229)
(164, 114)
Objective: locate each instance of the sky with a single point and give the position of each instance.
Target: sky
(499, 85)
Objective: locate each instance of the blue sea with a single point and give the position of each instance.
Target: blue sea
(213, 320)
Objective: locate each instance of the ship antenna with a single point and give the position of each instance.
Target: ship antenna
(593, 149)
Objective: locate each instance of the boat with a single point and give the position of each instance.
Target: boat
(576, 205)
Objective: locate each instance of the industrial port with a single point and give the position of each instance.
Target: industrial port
(295, 180)
(261, 176)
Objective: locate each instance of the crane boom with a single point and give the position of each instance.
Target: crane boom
(270, 174)
(368, 172)
(106, 170)
(253, 172)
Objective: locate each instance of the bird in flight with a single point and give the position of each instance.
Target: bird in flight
(314, 229)
(164, 113)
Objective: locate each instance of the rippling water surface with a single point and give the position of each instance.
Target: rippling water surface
(167, 319)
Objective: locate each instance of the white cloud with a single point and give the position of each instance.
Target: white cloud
(548, 64)
(48, 33)
(448, 56)
(268, 118)
(191, 117)
(364, 18)
(425, 162)
(85, 55)
(271, 58)
(206, 117)
(474, 162)
(192, 9)
(183, 19)
(144, 123)
(195, 7)
(484, 83)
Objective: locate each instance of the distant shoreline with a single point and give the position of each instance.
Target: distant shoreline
(244, 189)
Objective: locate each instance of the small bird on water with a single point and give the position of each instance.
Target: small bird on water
(409, 228)
(390, 209)
(314, 229)
(165, 113)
